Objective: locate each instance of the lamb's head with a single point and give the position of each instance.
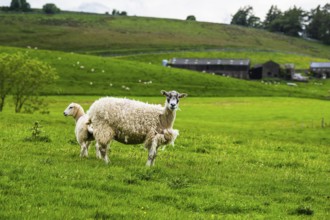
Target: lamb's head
(172, 99)
(72, 109)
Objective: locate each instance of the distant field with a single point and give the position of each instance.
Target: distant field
(143, 43)
(235, 158)
(109, 35)
(128, 76)
(255, 56)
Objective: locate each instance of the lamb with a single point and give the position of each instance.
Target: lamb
(133, 122)
(83, 131)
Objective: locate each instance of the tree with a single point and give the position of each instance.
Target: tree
(191, 18)
(116, 12)
(5, 79)
(315, 22)
(29, 79)
(245, 17)
(254, 22)
(241, 16)
(9, 64)
(325, 29)
(272, 15)
(50, 8)
(319, 24)
(123, 13)
(20, 5)
(24, 78)
(292, 21)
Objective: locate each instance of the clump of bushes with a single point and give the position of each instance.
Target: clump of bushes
(36, 132)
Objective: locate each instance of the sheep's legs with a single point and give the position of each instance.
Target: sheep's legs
(104, 152)
(152, 154)
(97, 150)
(103, 135)
(84, 150)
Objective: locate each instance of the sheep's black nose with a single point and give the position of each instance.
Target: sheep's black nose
(64, 114)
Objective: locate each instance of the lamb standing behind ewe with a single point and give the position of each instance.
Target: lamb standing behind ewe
(83, 131)
(133, 122)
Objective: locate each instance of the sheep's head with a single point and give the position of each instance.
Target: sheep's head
(71, 110)
(172, 99)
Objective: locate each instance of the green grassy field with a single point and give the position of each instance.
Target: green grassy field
(108, 35)
(152, 40)
(301, 62)
(235, 158)
(134, 76)
(246, 150)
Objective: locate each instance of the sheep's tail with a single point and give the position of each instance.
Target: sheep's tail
(90, 129)
(89, 126)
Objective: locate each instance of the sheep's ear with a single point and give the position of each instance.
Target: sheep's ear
(163, 92)
(182, 95)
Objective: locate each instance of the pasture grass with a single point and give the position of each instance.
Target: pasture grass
(114, 35)
(92, 75)
(235, 158)
(300, 61)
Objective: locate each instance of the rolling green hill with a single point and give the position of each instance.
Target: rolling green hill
(238, 156)
(301, 62)
(70, 41)
(93, 75)
(104, 34)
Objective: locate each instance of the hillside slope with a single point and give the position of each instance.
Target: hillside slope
(92, 75)
(301, 62)
(108, 35)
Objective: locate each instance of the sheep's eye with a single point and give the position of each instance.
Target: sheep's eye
(70, 107)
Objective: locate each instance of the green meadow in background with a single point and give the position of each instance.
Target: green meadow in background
(246, 150)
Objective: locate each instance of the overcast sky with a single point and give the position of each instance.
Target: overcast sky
(218, 11)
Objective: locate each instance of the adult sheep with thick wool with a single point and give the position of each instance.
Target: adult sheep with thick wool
(134, 122)
(83, 130)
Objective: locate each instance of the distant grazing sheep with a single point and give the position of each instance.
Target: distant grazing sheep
(133, 122)
(83, 131)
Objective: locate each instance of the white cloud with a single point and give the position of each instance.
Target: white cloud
(92, 7)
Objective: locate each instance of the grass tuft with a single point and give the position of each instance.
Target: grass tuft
(303, 210)
(178, 183)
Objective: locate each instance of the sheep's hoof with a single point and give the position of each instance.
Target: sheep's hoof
(98, 155)
(107, 161)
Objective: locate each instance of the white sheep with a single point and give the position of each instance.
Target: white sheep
(133, 122)
(83, 130)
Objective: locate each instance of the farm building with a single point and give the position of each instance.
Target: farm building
(320, 69)
(289, 69)
(238, 68)
(290, 73)
(266, 70)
